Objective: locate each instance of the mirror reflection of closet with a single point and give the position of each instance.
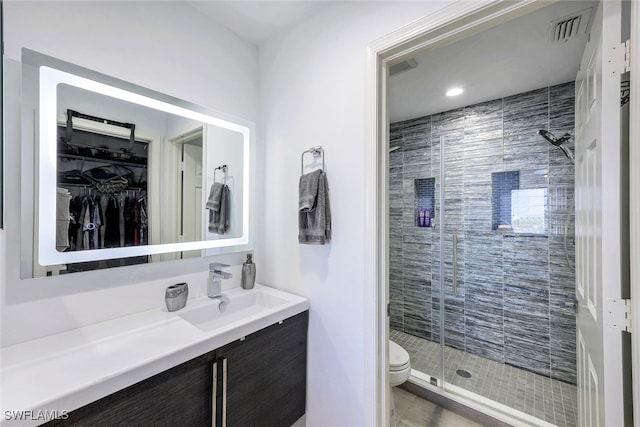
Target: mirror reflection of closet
(101, 189)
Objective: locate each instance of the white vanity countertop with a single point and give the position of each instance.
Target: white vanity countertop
(65, 371)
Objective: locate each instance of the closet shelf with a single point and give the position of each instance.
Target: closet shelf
(86, 184)
(100, 160)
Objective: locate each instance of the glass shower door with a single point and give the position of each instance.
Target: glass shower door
(450, 240)
(413, 245)
(505, 250)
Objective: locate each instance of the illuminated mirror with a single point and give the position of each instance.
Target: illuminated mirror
(127, 175)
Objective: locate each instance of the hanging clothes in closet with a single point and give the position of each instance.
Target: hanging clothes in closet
(112, 226)
(135, 221)
(107, 221)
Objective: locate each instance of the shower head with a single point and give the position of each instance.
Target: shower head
(558, 142)
(552, 139)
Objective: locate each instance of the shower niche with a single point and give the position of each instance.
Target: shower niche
(502, 184)
(424, 202)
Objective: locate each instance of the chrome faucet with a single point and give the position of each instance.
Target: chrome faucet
(214, 284)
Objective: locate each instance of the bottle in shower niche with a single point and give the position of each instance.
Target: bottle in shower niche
(248, 273)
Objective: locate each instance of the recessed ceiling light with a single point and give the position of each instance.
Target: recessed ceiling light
(454, 91)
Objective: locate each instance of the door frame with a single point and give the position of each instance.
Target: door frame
(449, 23)
(173, 159)
(634, 201)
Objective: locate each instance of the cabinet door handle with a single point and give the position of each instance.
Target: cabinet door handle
(224, 392)
(214, 394)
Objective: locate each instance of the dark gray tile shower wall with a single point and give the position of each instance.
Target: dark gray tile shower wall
(514, 302)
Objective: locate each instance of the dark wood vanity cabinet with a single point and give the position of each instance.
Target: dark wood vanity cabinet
(180, 396)
(266, 376)
(257, 381)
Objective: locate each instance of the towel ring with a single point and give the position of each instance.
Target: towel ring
(317, 151)
(223, 168)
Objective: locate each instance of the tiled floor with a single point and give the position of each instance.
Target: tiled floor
(412, 411)
(550, 400)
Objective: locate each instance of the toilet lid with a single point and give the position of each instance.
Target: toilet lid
(398, 357)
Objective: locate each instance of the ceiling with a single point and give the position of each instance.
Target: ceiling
(510, 58)
(256, 21)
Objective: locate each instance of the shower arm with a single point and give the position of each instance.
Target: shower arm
(567, 153)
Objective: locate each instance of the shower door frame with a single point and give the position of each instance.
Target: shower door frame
(450, 23)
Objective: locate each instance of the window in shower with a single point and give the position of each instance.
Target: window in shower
(425, 202)
(502, 185)
(528, 211)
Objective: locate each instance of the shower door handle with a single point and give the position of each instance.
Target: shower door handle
(455, 264)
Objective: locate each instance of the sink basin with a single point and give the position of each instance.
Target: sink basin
(239, 307)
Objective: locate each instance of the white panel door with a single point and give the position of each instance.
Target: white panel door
(598, 275)
(192, 207)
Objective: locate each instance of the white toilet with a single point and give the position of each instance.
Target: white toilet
(399, 364)
(399, 371)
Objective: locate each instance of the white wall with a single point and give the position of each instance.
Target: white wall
(312, 92)
(165, 46)
(162, 45)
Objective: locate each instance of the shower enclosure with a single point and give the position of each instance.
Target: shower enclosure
(481, 244)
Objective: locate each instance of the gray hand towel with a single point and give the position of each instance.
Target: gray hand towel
(314, 226)
(215, 194)
(224, 210)
(219, 209)
(308, 191)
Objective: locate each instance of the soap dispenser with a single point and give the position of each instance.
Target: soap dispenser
(248, 273)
